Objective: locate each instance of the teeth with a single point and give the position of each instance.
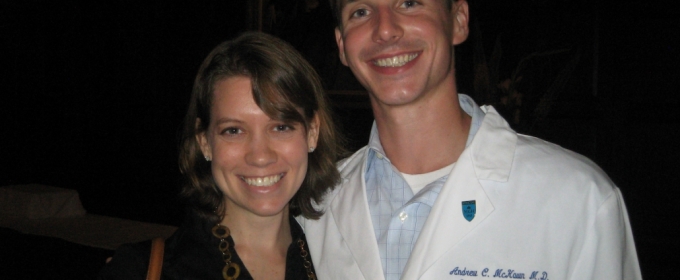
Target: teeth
(262, 181)
(396, 61)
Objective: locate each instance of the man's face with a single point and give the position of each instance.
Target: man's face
(401, 50)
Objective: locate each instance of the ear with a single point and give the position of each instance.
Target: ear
(313, 132)
(341, 46)
(461, 17)
(202, 140)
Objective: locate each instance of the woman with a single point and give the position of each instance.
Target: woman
(258, 146)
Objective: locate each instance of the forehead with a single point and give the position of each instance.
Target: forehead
(342, 3)
(232, 93)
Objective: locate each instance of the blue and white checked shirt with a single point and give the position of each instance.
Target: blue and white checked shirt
(397, 214)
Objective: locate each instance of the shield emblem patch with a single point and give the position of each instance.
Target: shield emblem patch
(469, 209)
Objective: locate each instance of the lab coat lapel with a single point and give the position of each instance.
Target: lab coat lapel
(488, 157)
(352, 216)
(446, 226)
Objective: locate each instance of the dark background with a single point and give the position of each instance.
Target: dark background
(92, 94)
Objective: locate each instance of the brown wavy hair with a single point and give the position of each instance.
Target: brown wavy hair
(286, 88)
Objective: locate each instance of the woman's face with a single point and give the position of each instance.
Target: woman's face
(257, 162)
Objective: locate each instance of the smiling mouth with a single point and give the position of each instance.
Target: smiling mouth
(395, 61)
(262, 181)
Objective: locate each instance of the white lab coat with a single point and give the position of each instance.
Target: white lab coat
(541, 211)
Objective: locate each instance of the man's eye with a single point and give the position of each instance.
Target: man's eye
(360, 13)
(409, 4)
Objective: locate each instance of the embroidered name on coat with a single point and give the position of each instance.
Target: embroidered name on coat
(499, 273)
(463, 272)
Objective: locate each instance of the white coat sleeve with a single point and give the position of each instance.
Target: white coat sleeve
(609, 248)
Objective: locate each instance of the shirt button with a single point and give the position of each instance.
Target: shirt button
(380, 156)
(403, 216)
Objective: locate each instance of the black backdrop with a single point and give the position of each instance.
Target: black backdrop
(92, 95)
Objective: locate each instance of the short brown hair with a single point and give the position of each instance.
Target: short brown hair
(286, 88)
(336, 7)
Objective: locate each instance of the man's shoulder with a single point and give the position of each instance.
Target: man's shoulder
(533, 149)
(529, 151)
(559, 165)
(348, 167)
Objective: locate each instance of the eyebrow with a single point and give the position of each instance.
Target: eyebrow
(344, 3)
(227, 120)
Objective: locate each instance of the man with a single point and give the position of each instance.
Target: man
(445, 189)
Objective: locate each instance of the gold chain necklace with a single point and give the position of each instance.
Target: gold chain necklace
(222, 232)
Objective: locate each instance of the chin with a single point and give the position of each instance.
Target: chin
(269, 210)
(396, 98)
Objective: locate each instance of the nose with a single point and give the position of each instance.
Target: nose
(260, 152)
(387, 27)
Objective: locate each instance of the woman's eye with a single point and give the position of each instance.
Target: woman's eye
(283, 127)
(230, 131)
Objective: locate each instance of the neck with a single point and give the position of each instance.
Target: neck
(426, 135)
(255, 233)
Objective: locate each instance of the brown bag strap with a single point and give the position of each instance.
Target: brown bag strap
(156, 259)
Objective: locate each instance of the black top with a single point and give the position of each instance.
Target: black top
(192, 253)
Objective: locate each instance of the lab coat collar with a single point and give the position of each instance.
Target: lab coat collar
(494, 149)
